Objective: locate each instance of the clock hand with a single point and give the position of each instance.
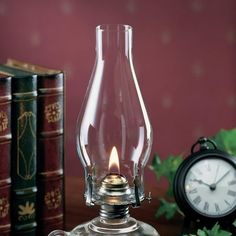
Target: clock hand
(201, 182)
(222, 177)
(212, 187)
(217, 170)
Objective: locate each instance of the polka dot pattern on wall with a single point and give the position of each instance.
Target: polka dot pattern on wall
(198, 132)
(197, 5)
(166, 37)
(197, 70)
(131, 6)
(231, 101)
(35, 38)
(231, 36)
(184, 57)
(166, 101)
(3, 9)
(68, 67)
(66, 7)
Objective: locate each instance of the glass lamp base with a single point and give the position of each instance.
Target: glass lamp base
(98, 226)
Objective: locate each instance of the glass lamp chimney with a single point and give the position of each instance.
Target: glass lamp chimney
(114, 137)
(113, 115)
(114, 134)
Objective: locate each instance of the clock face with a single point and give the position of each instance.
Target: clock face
(210, 187)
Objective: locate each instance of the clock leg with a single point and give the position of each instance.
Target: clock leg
(186, 226)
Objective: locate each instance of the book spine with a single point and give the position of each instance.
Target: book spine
(23, 158)
(5, 150)
(50, 153)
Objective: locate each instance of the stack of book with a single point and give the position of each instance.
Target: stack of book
(32, 149)
(5, 152)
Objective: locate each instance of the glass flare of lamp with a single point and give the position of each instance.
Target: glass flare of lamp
(114, 137)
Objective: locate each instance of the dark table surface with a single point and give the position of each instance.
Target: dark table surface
(77, 212)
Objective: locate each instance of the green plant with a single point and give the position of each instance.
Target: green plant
(226, 141)
(167, 169)
(215, 231)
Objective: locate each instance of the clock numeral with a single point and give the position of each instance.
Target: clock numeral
(198, 171)
(192, 191)
(208, 167)
(232, 182)
(227, 203)
(192, 175)
(206, 206)
(217, 207)
(197, 200)
(231, 193)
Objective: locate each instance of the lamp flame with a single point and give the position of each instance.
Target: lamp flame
(114, 160)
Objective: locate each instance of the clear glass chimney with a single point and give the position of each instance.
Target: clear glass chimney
(114, 137)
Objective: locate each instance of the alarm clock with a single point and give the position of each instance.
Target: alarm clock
(205, 184)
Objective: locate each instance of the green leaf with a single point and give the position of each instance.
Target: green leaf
(167, 209)
(234, 223)
(225, 140)
(201, 233)
(166, 168)
(215, 231)
(190, 235)
(155, 166)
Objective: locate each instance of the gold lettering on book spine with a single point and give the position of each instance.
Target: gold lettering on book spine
(53, 112)
(26, 212)
(4, 207)
(3, 121)
(26, 151)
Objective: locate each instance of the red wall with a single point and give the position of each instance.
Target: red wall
(184, 52)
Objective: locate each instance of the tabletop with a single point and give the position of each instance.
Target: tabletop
(77, 212)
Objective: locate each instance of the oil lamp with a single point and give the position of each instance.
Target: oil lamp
(114, 138)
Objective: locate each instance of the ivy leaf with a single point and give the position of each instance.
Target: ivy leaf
(189, 235)
(155, 166)
(225, 140)
(234, 223)
(201, 233)
(215, 231)
(168, 209)
(166, 168)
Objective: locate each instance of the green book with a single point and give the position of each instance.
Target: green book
(23, 151)
(50, 145)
